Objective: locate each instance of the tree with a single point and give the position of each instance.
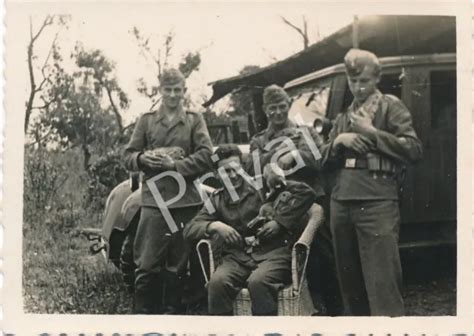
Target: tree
(75, 114)
(241, 100)
(100, 70)
(302, 31)
(159, 50)
(45, 68)
(79, 121)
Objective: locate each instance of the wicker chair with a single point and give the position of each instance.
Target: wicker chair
(295, 299)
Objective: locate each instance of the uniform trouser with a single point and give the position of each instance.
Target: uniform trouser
(127, 264)
(155, 251)
(263, 281)
(321, 273)
(365, 237)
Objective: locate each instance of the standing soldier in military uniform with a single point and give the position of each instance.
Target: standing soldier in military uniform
(267, 143)
(321, 267)
(170, 139)
(368, 145)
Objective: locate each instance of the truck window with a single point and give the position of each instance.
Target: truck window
(308, 106)
(219, 133)
(390, 83)
(443, 99)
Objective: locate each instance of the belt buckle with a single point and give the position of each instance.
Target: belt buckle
(350, 163)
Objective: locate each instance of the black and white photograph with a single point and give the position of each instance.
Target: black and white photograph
(222, 162)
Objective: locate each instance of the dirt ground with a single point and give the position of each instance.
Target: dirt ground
(433, 298)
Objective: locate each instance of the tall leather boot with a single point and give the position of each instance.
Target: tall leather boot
(148, 293)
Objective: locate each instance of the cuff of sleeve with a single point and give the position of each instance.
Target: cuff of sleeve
(207, 234)
(374, 136)
(334, 150)
(135, 164)
(179, 167)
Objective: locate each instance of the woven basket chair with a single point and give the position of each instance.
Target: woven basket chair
(294, 299)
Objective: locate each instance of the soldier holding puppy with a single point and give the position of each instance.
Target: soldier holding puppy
(368, 145)
(263, 267)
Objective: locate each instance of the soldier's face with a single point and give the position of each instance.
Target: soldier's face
(172, 95)
(228, 169)
(364, 84)
(277, 113)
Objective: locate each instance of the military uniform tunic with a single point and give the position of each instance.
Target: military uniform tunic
(188, 131)
(365, 216)
(308, 174)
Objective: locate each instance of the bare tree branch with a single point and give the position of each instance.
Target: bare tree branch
(47, 22)
(118, 116)
(45, 63)
(34, 88)
(303, 32)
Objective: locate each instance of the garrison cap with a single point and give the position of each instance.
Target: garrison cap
(357, 59)
(274, 94)
(171, 76)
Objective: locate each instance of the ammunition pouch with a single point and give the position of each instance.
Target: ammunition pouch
(378, 163)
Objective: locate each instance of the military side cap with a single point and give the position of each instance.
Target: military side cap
(357, 59)
(171, 77)
(274, 94)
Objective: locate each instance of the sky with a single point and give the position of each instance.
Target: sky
(228, 36)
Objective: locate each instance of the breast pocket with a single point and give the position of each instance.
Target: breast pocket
(284, 201)
(181, 136)
(156, 136)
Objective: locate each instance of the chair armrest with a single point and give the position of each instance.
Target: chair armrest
(300, 251)
(206, 258)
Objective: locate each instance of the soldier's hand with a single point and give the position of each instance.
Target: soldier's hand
(149, 161)
(166, 162)
(227, 232)
(269, 230)
(357, 142)
(362, 125)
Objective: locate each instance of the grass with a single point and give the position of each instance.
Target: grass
(60, 275)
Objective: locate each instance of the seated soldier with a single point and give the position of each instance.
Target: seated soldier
(263, 267)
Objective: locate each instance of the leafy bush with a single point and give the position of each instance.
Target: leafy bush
(104, 175)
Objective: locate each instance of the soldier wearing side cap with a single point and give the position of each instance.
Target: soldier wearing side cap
(321, 268)
(276, 105)
(168, 139)
(368, 146)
